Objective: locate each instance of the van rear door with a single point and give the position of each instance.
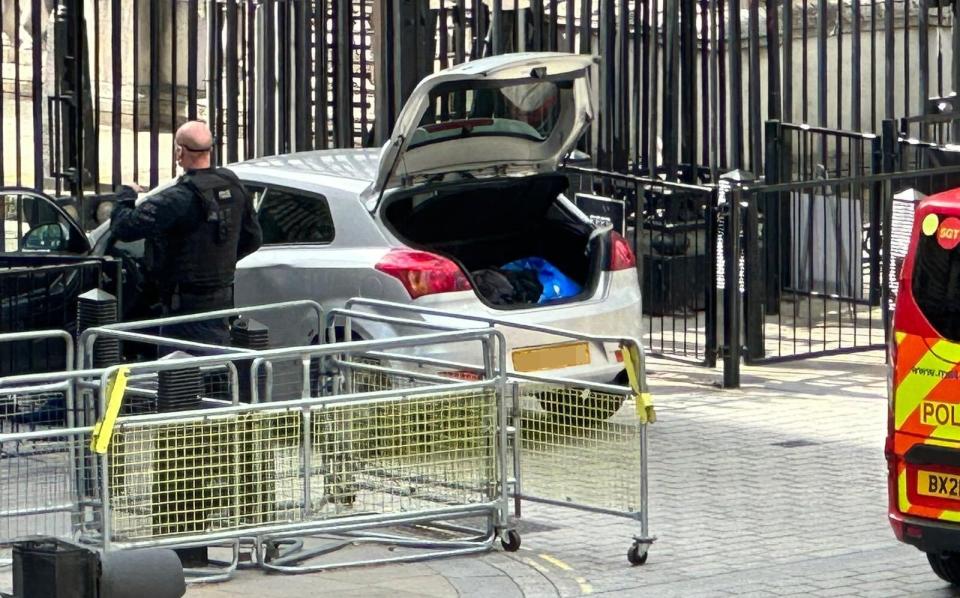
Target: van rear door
(926, 353)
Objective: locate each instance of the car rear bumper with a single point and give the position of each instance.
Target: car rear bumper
(614, 313)
(928, 535)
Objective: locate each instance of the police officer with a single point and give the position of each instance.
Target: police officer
(196, 231)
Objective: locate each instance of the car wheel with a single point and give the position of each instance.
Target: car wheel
(946, 566)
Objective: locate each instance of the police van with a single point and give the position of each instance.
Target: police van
(923, 436)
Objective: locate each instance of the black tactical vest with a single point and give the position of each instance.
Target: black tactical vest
(202, 256)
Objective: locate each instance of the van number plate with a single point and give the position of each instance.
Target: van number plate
(940, 485)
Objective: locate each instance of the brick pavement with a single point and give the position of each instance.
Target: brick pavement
(777, 489)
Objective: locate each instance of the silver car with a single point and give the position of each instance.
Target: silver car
(462, 210)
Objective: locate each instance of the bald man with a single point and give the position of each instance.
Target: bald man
(196, 232)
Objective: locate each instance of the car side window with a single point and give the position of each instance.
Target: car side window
(291, 217)
(32, 224)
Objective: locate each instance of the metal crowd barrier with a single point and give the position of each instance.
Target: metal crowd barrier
(28, 408)
(576, 443)
(25, 408)
(255, 475)
(38, 407)
(379, 435)
(164, 328)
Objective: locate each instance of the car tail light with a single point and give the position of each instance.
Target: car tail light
(423, 273)
(463, 375)
(621, 256)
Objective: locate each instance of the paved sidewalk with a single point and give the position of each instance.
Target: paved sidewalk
(772, 490)
(776, 489)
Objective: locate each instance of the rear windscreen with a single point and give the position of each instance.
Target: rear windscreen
(936, 284)
(524, 110)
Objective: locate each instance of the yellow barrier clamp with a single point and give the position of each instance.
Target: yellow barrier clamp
(631, 361)
(103, 431)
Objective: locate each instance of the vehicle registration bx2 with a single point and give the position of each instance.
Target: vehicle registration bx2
(939, 485)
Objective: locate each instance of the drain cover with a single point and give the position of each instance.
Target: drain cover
(795, 443)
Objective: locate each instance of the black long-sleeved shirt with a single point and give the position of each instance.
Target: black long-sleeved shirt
(170, 216)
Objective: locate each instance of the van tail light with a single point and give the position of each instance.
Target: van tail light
(423, 273)
(621, 256)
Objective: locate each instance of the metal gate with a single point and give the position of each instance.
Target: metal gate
(817, 235)
(93, 89)
(672, 228)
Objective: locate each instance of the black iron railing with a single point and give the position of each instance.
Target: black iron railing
(41, 293)
(683, 85)
(672, 228)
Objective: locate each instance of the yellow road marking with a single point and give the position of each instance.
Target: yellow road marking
(585, 587)
(556, 562)
(537, 566)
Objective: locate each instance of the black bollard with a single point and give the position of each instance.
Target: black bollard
(254, 468)
(249, 334)
(95, 308)
(54, 568)
(181, 499)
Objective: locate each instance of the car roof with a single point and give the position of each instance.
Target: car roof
(352, 164)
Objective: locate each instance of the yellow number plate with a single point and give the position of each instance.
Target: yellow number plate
(940, 485)
(551, 357)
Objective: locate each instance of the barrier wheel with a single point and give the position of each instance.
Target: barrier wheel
(636, 555)
(510, 541)
(271, 551)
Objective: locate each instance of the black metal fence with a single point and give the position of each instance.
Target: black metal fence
(41, 293)
(812, 252)
(119, 77)
(672, 228)
(796, 265)
(93, 89)
(817, 256)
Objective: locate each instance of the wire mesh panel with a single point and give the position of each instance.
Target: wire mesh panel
(368, 376)
(201, 475)
(405, 455)
(227, 472)
(282, 379)
(40, 485)
(566, 428)
(24, 411)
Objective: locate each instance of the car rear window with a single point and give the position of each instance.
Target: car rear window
(524, 110)
(290, 217)
(936, 282)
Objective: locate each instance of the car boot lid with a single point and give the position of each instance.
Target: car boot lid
(537, 106)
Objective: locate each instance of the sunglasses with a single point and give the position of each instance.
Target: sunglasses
(192, 149)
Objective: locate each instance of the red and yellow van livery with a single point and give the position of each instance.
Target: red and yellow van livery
(923, 439)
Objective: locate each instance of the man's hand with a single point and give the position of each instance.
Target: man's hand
(127, 195)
